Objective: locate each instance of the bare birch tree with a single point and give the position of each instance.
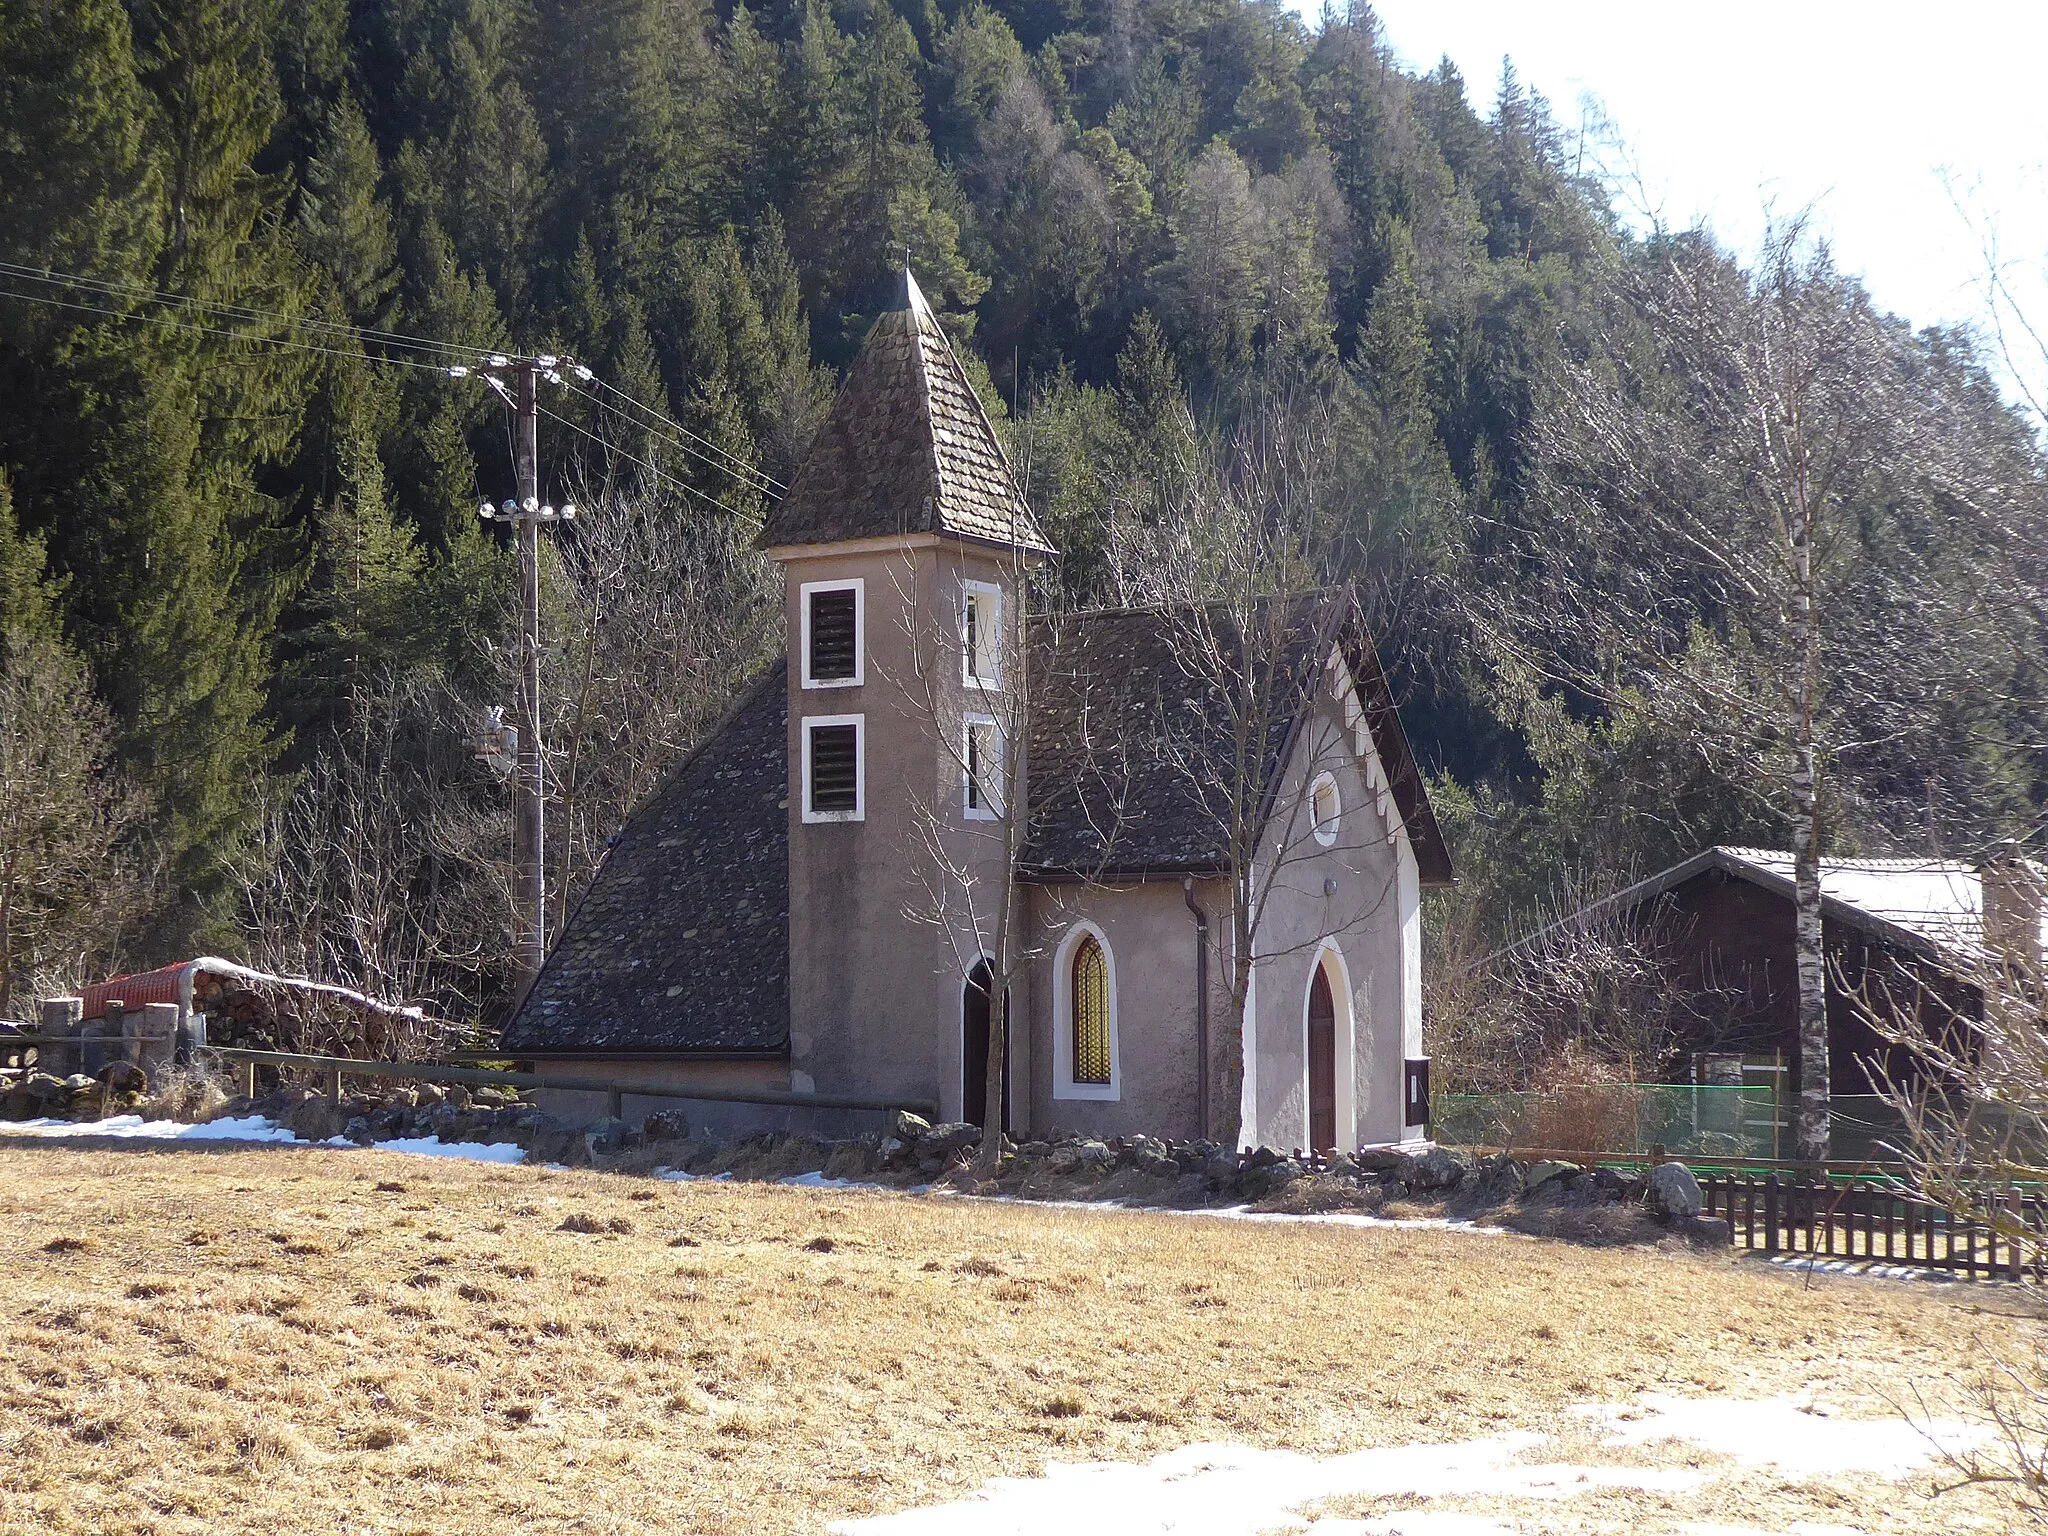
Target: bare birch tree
(1741, 526)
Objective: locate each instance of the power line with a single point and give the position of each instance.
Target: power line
(676, 435)
(663, 427)
(654, 470)
(740, 472)
(332, 329)
(173, 322)
(735, 464)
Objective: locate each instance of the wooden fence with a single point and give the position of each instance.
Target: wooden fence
(1878, 1222)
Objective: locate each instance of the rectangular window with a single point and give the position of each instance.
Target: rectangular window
(982, 759)
(834, 772)
(981, 634)
(832, 639)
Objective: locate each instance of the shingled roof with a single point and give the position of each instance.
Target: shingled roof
(681, 945)
(906, 449)
(1131, 747)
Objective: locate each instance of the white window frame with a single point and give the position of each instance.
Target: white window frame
(860, 767)
(858, 587)
(994, 811)
(991, 679)
(1325, 834)
(1063, 1084)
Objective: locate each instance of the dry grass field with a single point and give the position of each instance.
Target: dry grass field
(284, 1341)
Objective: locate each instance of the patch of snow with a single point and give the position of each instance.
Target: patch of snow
(1237, 1490)
(256, 1128)
(135, 1128)
(679, 1176)
(1240, 1490)
(1357, 1219)
(819, 1181)
(1415, 1522)
(1795, 1436)
(427, 1146)
(1863, 1269)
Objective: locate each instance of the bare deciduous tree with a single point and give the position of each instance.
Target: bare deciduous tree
(387, 867)
(1586, 991)
(1236, 573)
(1746, 528)
(66, 883)
(970, 681)
(663, 612)
(1972, 1103)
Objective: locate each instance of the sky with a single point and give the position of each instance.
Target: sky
(1868, 114)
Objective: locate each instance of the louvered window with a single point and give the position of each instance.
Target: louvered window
(832, 634)
(832, 768)
(1091, 1012)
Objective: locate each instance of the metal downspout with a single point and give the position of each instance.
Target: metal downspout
(1187, 891)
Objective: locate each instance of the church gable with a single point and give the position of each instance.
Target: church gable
(1125, 731)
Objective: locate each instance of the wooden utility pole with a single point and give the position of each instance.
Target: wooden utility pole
(530, 827)
(517, 381)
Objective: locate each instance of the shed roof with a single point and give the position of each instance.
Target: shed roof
(1930, 907)
(907, 448)
(681, 944)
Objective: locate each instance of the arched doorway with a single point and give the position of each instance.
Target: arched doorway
(1322, 1062)
(974, 1000)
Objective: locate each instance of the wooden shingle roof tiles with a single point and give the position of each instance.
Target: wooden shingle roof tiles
(906, 449)
(682, 942)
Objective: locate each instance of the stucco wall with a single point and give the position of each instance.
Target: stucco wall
(881, 936)
(1150, 938)
(1358, 899)
(704, 1116)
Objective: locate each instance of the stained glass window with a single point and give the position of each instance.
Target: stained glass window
(1091, 1012)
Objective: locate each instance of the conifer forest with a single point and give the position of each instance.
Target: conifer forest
(1191, 251)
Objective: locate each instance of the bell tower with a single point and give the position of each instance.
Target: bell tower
(903, 541)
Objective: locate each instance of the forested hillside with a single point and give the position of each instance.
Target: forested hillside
(242, 575)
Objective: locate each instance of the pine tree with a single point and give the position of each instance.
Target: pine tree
(344, 225)
(432, 458)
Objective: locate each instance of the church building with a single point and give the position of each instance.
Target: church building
(933, 786)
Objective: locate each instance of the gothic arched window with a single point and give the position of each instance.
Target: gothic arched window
(1090, 994)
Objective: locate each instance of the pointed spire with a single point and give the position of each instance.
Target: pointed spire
(907, 448)
(909, 296)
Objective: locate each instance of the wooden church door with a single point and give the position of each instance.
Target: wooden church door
(1322, 1063)
(974, 1027)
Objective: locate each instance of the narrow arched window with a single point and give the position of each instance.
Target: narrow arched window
(1091, 1012)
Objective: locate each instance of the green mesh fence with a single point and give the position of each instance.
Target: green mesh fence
(1629, 1119)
